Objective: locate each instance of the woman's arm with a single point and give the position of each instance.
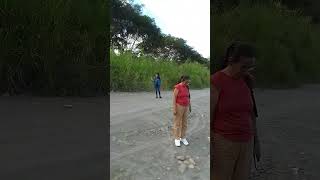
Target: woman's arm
(175, 94)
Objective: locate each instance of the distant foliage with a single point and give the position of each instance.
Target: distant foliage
(54, 47)
(133, 31)
(131, 73)
(287, 42)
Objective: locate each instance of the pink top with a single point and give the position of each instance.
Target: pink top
(233, 113)
(183, 94)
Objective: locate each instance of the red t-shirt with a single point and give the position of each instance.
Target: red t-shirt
(183, 94)
(233, 113)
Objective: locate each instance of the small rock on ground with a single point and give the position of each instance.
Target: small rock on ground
(114, 138)
(181, 158)
(192, 161)
(186, 162)
(182, 168)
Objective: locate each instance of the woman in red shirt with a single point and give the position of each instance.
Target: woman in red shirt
(233, 116)
(181, 103)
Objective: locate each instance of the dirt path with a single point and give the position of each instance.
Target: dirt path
(289, 129)
(288, 126)
(140, 146)
(42, 139)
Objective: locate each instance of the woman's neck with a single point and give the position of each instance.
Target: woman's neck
(230, 72)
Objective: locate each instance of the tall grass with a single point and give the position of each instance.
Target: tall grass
(287, 43)
(53, 47)
(130, 73)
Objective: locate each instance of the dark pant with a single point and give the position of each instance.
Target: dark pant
(158, 91)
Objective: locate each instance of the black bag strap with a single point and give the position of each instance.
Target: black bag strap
(250, 86)
(188, 90)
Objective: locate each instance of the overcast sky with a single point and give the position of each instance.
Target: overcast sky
(186, 19)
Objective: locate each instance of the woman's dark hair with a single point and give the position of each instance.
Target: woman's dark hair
(184, 77)
(237, 50)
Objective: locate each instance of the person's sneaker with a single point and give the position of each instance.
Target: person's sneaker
(177, 142)
(160, 97)
(184, 141)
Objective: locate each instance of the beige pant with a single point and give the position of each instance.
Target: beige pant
(180, 122)
(231, 160)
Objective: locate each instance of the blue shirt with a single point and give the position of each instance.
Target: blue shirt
(157, 82)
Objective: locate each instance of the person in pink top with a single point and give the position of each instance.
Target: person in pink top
(181, 103)
(233, 115)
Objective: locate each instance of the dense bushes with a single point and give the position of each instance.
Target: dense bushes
(130, 73)
(287, 43)
(52, 47)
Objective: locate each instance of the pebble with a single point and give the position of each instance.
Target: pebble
(186, 162)
(168, 168)
(181, 158)
(192, 161)
(295, 171)
(68, 106)
(188, 157)
(197, 157)
(191, 166)
(114, 138)
(182, 168)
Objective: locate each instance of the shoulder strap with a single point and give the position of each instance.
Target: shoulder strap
(249, 84)
(188, 91)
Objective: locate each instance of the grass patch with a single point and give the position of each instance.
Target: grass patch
(130, 73)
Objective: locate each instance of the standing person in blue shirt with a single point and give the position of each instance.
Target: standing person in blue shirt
(157, 84)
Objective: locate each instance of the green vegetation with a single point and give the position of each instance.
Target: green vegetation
(144, 51)
(133, 31)
(287, 42)
(131, 73)
(54, 47)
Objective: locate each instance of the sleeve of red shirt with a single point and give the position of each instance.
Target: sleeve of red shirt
(177, 87)
(216, 80)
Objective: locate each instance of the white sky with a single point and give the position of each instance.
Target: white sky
(186, 19)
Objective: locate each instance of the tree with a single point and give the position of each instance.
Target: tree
(130, 30)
